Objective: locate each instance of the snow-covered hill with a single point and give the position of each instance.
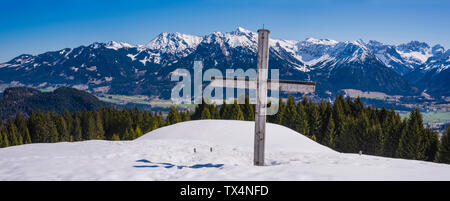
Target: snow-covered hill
(167, 154)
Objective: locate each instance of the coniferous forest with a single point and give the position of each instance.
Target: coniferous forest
(345, 126)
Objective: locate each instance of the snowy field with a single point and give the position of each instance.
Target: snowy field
(168, 154)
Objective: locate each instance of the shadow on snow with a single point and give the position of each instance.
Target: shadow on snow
(169, 165)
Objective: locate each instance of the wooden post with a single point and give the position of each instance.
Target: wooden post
(261, 96)
(261, 84)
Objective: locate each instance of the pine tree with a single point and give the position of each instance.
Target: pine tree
(225, 111)
(155, 122)
(346, 139)
(50, 128)
(314, 138)
(236, 112)
(205, 113)
(423, 140)
(314, 121)
(69, 120)
(138, 132)
(5, 141)
(148, 122)
(374, 140)
(443, 154)
(393, 126)
(88, 126)
(368, 134)
(100, 131)
(185, 116)
(61, 126)
(409, 139)
(357, 107)
(215, 114)
(160, 119)
(324, 113)
(279, 116)
(339, 117)
(128, 135)
(1, 139)
(302, 120)
(36, 125)
(173, 117)
(330, 132)
(348, 106)
(77, 131)
(198, 110)
(247, 109)
(432, 145)
(13, 133)
(115, 137)
(291, 117)
(23, 128)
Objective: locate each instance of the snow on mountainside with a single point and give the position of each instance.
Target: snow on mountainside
(118, 45)
(174, 43)
(415, 52)
(389, 55)
(310, 52)
(439, 62)
(115, 66)
(167, 154)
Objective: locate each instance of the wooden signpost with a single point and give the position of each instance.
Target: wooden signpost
(262, 84)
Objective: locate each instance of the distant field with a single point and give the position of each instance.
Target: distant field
(142, 100)
(354, 93)
(432, 117)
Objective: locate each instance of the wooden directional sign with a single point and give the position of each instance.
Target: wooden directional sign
(246, 83)
(261, 84)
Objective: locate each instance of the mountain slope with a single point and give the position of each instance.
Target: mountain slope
(434, 75)
(27, 100)
(167, 154)
(121, 68)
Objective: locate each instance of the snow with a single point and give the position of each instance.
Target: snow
(317, 60)
(243, 30)
(133, 57)
(289, 46)
(74, 69)
(118, 45)
(145, 60)
(92, 68)
(174, 43)
(244, 39)
(417, 57)
(167, 154)
(321, 41)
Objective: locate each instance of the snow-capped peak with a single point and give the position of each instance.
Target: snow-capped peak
(415, 52)
(118, 45)
(360, 42)
(239, 38)
(414, 46)
(375, 43)
(242, 31)
(321, 41)
(437, 49)
(173, 43)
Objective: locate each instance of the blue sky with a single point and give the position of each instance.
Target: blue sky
(33, 27)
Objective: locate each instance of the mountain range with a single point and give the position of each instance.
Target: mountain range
(122, 68)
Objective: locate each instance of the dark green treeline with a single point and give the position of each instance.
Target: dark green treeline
(101, 124)
(345, 126)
